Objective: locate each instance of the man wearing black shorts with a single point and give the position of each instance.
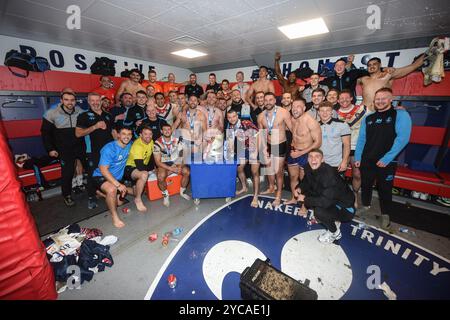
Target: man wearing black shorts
(95, 125)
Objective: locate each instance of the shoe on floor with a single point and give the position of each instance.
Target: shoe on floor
(92, 203)
(69, 201)
(385, 221)
(329, 237)
(361, 210)
(443, 201)
(166, 201)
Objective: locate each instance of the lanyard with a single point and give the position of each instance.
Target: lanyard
(191, 120)
(236, 127)
(271, 122)
(166, 146)
(210, 118)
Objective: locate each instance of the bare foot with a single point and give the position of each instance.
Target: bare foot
(241, 191)
(140, 205)
(254, 203)
(292, 201)
(118, 223)
(276, 202)
(269, 191)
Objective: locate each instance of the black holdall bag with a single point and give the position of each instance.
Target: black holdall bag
(103, 66)
(262, 281)
(25, 61)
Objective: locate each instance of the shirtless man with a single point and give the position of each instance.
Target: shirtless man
(165, 111)
(182, 102)
(378, 78)
(194, 124)
(290, 84)
(306, 136)
(131, 86)
(241, 85)
(215, 121)
(275, 120)
(262, 84)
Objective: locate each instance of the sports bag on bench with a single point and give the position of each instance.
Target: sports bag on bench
(25, 61)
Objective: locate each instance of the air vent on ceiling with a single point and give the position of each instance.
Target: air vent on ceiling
(187, 41)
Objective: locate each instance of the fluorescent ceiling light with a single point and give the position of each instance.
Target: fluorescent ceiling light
(304, 29)
(189, 53)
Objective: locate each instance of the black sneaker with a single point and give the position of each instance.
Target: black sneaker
(68, 201)
(92, 203)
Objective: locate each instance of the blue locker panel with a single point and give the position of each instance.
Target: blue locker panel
(32, 146)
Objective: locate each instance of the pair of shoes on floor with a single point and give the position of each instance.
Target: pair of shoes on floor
(329, 237)
(69, 201)
(420, 195)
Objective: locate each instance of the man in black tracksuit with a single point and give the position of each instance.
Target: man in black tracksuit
(58, 135)
(95, 126)
(382, 136)
(344, 77)
(325, 192)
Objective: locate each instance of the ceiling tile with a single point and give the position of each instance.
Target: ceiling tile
(144, 7)
(36, 12)
(249, 22)
(104, 12)
(259, 4)
(264, 36)
(157, 30)
(182, 18)
(218, 10)
(213, 33)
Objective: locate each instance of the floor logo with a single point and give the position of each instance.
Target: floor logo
(209, 260)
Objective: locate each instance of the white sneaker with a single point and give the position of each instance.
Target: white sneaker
(185, 196)
(166, 201)
(249, 182)
(329, 237)
(415, 194)
(196, 201)
(423, 196)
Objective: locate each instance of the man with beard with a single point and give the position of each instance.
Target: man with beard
(193, 88)
(214, 122)
(136, 114)
(242, 138)
(194, 125)
(108, 176)
(95, 125)
(379, 78)
(119, 113)
(168, 158)
(182, 103)
(259, 107)
(382, 136)
(131, 86)
(165, 111)
(60, 141)
(353, 116)
(274, 120)
(262, 84)
(318, 96)
(286, 101)
(290, 84)
(106, 89)
(237, 104)
(170, 85)
(152, 81)
(306, 136)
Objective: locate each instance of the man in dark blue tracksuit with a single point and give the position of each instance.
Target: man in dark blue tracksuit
(382, 136)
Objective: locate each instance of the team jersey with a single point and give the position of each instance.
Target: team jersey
(166, 114)
(169, 86)
(98, 138)
(114, 156)
(353, 118)
(140, 151)
(170, 152)
(108, 93)
(157, 86)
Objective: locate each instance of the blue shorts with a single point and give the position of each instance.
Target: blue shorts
(300, 161)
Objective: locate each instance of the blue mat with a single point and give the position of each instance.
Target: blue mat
(209, 259)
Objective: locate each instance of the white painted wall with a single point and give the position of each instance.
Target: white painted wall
(74, 59)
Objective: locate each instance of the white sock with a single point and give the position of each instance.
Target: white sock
(183, 195)
(165, 193)
(79, 180)
(74, 182)
(182, 190)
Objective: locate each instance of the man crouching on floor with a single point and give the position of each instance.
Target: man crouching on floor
(109, 174)
(325, 192)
